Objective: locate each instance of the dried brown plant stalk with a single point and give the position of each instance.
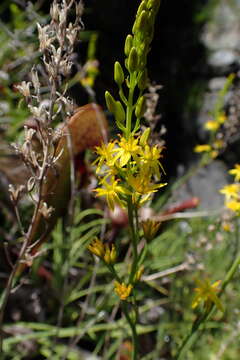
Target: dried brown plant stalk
(38, 150)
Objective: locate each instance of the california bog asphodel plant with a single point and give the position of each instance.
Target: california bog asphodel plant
(129, 167)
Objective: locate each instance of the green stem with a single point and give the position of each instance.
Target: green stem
(130, 106)
(133, 239)
(132, 325)
(190, 338)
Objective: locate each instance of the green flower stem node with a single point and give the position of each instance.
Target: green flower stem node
(133, 60)
(141, 107)
(119, 112)
(118, 73)
(128, 44)
(111, 103)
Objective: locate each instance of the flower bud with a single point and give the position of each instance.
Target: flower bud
(110, 255)
(138, 274)
(141, 107)
(110, 102)
(119, 112)
(118, 73)
(153, 4)
(142, 22)
(150, 228)
(143, 80)
(128, 44)
(144, 137)
(142, 7)
(133, 60)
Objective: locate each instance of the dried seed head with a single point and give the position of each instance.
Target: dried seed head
(45, 210)
(35, 80)
(31, 184)
(71, 33)
(36, 111)
(79, 8)
(29, 132)
(44, 39)
(24, 88)
(65, 67)
(54, 11)
(15, 192)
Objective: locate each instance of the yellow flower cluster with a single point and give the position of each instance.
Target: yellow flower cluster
(212, 150)
(103, 251)
(123, 290)
(206, 293)
(128, 168)
(232, 191)
(214, 125)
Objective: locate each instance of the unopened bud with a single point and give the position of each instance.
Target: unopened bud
(118, 73)
(138, 274)
(143, 80)
(150, 229)
(119, 112)
(144, 137)
(128, 44)
(142, 7)
(142, 22)
(133, 60)
(153, 4)
(110, 254)
(111, 103)
(141, 107)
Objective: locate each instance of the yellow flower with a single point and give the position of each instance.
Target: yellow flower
(214, 154)
(211, 125)
(202, 148)
(142, 184)
(206, 293)
(106, 152)
(150, 157)
(218, 144)
(233, 205)
(97, 248)
(230, 191)
(127, 149)
(111, 191)
(226, 226)
(87, 81)
(122, 290)
(236, 172)
(221, 118)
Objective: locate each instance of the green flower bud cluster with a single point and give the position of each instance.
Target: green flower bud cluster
(143, 30)
(133, 80)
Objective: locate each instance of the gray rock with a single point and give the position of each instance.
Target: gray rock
(217, 83)
(205, 184)
(223, 58)
(221, 35)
